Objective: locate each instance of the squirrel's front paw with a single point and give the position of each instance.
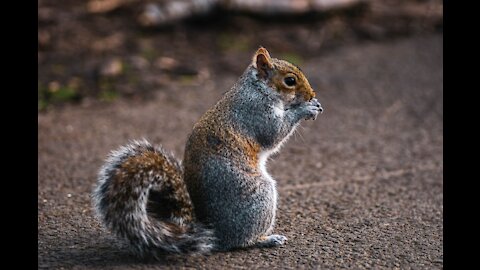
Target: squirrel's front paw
(310, 109)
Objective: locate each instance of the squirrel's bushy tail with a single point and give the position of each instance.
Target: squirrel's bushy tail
(142, 198)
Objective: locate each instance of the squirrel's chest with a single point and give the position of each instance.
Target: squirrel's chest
(270, 182)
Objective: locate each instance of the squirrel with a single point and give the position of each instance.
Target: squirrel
(221, 197)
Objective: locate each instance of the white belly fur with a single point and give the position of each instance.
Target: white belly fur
(263, 158)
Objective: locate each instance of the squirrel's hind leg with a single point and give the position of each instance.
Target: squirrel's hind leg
(273, 240)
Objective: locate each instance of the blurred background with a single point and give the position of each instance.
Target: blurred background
(102, 50)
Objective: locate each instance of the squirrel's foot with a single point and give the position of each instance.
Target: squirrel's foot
(273, 240)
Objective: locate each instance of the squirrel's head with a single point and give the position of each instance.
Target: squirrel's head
(282, 76)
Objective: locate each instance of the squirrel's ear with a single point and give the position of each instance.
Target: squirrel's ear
(262, 62)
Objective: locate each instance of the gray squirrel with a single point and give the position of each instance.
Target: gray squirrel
(221, 197)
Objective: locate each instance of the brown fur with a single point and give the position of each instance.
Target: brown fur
(282, 69)
(224, 139)
(152, 161)
(249, 148)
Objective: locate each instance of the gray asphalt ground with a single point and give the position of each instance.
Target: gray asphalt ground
(360, 188)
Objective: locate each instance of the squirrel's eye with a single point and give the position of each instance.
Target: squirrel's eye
(290, 81)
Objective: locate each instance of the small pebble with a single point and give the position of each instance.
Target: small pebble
(112, 68)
